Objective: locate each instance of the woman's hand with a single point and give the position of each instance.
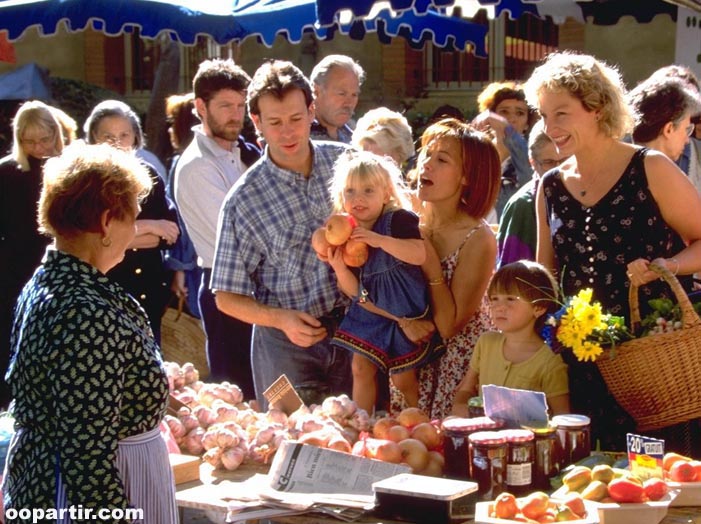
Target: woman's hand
(334, 256)
(165, 229)
(639, 272)
(178, 286)
(417, 330)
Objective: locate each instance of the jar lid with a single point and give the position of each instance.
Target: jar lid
(487, 437)
(518, 435)
(542, 431)
(475, 402)
(571, 421)
(459, 424)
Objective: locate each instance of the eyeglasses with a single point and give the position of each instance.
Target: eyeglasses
(44, 141)
(548, 163)
(690, 129)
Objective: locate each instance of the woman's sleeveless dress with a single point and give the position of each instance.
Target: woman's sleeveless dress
(592, 247)
(439, 380)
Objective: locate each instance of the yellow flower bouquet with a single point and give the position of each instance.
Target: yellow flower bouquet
(583, 327)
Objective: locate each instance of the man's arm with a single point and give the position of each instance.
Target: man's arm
(301, 328)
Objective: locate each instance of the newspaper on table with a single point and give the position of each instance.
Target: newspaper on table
(304, 478)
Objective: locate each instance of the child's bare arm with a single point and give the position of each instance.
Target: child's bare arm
(347, 281)
(409, 250)
(466, 390)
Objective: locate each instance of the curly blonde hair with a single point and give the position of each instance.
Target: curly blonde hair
(597, 85)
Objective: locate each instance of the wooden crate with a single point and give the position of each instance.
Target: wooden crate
(186, 468)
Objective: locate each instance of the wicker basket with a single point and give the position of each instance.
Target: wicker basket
(657, 378)
(183, 340)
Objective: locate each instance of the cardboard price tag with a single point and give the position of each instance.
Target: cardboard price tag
(645, 456)
(282, 395)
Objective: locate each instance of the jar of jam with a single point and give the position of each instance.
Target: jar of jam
(475, 407)
(519, 461)
(547, 456)
(456, 431)
(488, 463)
(573, 432)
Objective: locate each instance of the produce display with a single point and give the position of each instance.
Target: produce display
(538, 507)
(217, 424)
(679, 468)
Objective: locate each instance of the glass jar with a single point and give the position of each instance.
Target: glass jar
(547, 456)
(573, 432)
(488, 463)
(456, 431)
(519, 461)
(475, 407)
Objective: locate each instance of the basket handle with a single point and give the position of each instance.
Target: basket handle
(689, 316)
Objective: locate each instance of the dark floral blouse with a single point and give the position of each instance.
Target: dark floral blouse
(593, 245)
(84, 373)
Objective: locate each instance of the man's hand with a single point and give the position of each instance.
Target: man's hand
(301, 328)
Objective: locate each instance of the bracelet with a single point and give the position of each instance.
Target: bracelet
(402, 322)
(436, 281)
(673, 259)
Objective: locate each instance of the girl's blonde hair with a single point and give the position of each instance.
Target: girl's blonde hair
(356, 167)
(529, 280)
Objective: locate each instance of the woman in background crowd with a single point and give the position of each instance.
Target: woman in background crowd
(142, 272)
(608, 211)
(506, 115)
(386, 133)
(89, 385)
(37, 135)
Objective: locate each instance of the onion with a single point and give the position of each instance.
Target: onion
(360, 420)
(246, 418)
(226, 413)
(296, 415)
(189, 421)
(226, 438)
(193, 441)
(177, 429)
(349, 407)
(205, 416)
(276, 415)
(206, 394)
(213, 457)
(190, 373)
(209, 440)
(232, 458)
(264, 435)
(332, 406)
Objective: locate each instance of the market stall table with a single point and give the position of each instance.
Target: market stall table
(215, 487)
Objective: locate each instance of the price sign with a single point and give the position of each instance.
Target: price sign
(645, 456)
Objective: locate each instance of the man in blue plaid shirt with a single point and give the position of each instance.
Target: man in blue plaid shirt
(265, 271)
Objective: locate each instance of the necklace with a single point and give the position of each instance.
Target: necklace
(583, 191)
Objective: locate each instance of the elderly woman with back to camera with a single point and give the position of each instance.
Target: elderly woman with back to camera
(88, 383)
(142, 272)
(386, 133)
(607, 212)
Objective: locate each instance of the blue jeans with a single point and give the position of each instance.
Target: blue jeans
(315, 372)
(228, 342)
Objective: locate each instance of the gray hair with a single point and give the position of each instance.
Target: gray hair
(323, 68)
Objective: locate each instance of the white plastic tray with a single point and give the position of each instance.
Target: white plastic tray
(689, 493)
(631, 513)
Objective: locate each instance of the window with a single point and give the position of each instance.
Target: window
(527, 41)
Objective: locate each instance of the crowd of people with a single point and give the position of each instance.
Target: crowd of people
(564, 182)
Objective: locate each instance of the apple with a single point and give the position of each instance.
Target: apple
(355, 253)
(339, 228)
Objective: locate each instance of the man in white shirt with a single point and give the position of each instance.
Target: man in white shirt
(207, 169)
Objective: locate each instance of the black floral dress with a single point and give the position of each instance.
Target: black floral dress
(84, 373)
(592, 247)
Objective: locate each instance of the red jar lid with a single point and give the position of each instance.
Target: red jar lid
(487, 438)
(458, 424)
(518, 435)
